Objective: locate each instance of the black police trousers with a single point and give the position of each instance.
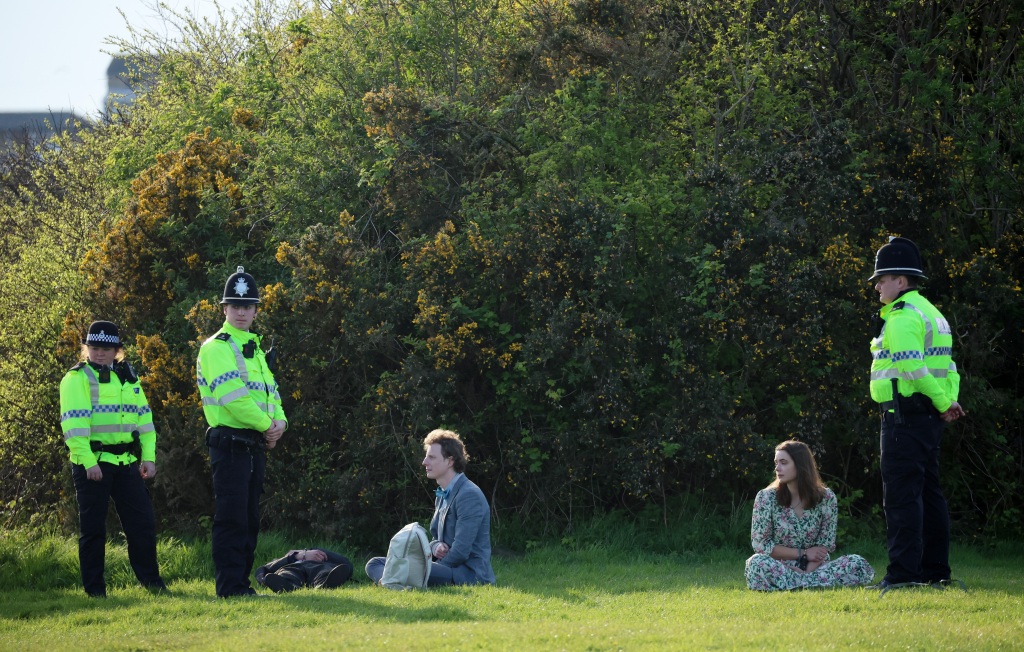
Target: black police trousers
(135, 510)
(238, 474)
(916, 514)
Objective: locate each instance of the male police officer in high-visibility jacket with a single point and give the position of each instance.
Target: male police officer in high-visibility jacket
(242, 406)
(915, 382)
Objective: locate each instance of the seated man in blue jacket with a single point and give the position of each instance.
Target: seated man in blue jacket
(461, 528)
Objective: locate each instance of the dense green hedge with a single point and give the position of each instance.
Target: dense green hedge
(621, 246)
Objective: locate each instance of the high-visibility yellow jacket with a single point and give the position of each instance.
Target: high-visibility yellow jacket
(104, 412)
(237, 391)
(915, 347)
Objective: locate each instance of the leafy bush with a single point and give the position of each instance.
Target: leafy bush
(621, 246)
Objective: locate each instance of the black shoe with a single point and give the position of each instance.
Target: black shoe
(158, 589)
(338, 576)
(97, 595)
(948, 583)
(277, 584)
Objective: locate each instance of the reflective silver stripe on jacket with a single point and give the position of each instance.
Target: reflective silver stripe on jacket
(928, 335)
(94, 386)
(243, 371)
(893, 372)
(114, 427)
(232, 396)
(243, 374)
(94, 396)
(883, 354)
(269, 408)
(239, 361)
(266, 407)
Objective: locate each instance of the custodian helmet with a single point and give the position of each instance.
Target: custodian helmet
(241, 289)
(901, 257)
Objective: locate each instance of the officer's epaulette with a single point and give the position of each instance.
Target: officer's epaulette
(78, 366)
(898, 305)
(223, 337)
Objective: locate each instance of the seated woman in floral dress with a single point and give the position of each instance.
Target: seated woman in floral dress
(793, 530)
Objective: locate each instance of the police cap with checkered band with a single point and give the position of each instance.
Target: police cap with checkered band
(104, 334)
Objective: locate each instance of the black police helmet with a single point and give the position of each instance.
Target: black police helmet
(241, 289)
(102, 333)
(901, 257)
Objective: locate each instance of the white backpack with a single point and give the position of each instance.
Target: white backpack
(407, 565)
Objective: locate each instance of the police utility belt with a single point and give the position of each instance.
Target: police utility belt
(226, 438)
(914, 404)
(132, 447)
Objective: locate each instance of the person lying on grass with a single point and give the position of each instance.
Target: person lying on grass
(793, 530)
(312, 568)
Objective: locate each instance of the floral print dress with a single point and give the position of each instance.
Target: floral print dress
(774, 525)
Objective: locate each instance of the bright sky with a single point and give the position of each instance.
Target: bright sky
(51, 51)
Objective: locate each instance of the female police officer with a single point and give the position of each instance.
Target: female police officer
(242, 405)
(108, 427)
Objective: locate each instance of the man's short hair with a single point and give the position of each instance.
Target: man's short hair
(451, 446)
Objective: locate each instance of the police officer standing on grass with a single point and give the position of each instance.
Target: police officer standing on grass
(242, 406)
(108, 427)
(915, 382)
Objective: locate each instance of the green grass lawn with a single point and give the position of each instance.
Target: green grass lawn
(549, 599)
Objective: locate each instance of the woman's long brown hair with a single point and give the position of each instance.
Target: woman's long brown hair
(808, 482)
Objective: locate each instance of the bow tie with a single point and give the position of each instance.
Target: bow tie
(441, 493)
